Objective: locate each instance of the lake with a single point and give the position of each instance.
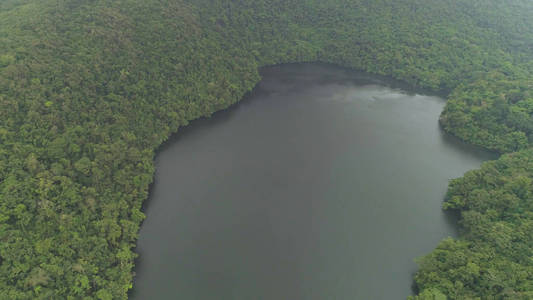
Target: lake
(324, 183)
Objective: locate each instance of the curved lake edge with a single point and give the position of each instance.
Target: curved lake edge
(395, 83)
(226, 113)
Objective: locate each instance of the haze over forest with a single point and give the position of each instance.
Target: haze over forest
(90, 89)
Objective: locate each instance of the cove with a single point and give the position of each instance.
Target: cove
(324, 183)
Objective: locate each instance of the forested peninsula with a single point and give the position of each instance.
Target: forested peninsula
(90, 88)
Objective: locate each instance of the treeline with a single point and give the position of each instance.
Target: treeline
(493, 257)
(90, 88)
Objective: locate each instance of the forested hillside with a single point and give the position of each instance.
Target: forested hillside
(90, 88)
(493, 258)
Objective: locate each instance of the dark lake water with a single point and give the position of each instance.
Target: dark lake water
(325, 183)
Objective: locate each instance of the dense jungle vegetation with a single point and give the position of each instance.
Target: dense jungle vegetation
(90, 88)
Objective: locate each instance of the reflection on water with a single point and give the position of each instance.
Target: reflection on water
(323, 184)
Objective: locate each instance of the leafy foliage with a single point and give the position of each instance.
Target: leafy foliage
(493, 257)
(90, 88)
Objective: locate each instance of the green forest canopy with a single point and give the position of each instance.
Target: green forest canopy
(90, 88)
